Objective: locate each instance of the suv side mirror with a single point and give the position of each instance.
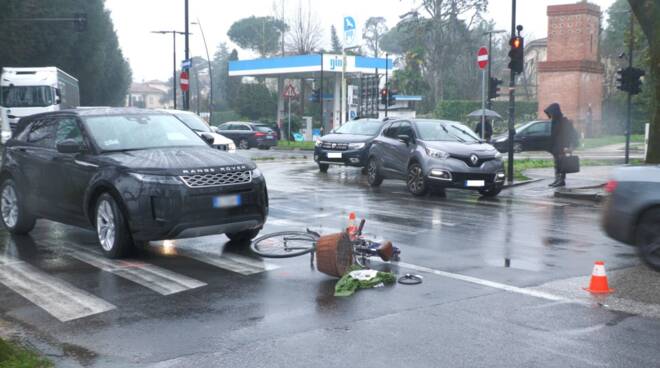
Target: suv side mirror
(69, 146)
(405, 138)
(208, 138)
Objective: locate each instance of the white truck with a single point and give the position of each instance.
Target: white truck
(28, 91)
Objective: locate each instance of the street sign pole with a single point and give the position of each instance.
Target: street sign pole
(483, 104)
(289, 136)
(512, 100)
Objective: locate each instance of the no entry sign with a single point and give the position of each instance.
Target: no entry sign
(482, 57)
(183, 81)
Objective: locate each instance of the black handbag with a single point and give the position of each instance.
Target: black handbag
(569, 164)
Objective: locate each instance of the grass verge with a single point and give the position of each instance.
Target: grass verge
(607, 140)
(308, 146)
(15, 356)
(521, 165)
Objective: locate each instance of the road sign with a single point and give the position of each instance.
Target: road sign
(482, 57)
(186, 64)
(350, 32)
(183, 81)
(290, 91)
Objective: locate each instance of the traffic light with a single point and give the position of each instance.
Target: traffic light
(629, 80)
(635, 82)
(390, 96)
(80, 22)
(383, 96)
(517, 54)
(494, 88)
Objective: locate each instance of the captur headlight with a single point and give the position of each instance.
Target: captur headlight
(437, 153)
(158, 179)
(498, 156)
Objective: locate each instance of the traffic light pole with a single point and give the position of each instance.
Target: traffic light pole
(512, 100)
(186, 95)
(489, 104)
(630, 62)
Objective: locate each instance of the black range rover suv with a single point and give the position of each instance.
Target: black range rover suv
(132, 175)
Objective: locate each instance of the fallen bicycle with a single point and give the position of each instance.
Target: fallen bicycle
(335, 253)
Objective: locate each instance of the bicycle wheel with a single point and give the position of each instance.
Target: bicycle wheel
(284, 244)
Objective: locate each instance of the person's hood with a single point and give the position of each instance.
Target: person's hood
(173, 161)
(553, 110)
(346, 138)
(462, 149)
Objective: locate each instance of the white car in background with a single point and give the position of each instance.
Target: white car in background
(197, 124)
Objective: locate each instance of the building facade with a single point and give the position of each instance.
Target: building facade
(572, 74)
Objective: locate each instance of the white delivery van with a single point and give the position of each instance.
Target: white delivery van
(28, 91)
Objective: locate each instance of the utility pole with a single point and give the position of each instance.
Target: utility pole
(630, 62)
(208, 58)
(174, 86)
(512, 100)
(186, 95)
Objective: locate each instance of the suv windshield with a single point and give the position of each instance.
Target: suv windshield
(135, 132)
(360, 127)
(27, 96)
(430, 130)
(194, 122)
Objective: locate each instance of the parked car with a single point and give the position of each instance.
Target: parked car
(632, 210)
(133, 175)
(248, 135)
(199, 126)
(532, 136)
(435, 154)
(348, 144)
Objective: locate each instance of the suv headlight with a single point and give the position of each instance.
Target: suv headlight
(437, 153)
(498, 156)
(318, 143)
(355, 146)
(158, 179)
(256, 173)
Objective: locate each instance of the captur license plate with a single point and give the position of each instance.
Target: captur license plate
(475, 183)
(334, 154)
(227, 201)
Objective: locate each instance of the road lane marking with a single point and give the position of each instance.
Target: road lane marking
(158, 279)
(59, 298)
(482, 282)
(230, 262)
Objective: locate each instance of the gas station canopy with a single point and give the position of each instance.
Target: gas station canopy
(301, 66)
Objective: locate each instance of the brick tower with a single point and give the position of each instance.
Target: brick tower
(572, 74)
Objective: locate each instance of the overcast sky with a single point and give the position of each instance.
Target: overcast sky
(150, 54)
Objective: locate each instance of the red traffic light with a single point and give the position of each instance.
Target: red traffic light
(516, 42)
(383, 92)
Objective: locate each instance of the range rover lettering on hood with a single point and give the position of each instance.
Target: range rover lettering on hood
(223, 169)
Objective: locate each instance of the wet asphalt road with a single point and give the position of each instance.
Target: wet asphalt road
(502, 288)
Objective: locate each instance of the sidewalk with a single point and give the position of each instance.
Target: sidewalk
(588, 184)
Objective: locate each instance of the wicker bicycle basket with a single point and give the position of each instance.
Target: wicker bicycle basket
(334, 254)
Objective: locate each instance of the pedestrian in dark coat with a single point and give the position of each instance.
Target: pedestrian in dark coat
(563, 140)
(488, 133)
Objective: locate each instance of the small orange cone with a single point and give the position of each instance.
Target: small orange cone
(598, 284)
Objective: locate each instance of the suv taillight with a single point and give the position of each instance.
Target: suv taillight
(611, 185)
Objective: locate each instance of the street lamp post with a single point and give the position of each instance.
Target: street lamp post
(174, 33)
(208, 58)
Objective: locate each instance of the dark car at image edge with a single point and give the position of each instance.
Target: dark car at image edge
(132, 175)
(347, 145)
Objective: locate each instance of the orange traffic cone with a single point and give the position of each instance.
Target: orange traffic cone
(598, 284)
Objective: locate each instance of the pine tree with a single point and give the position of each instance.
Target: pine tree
(334, 40)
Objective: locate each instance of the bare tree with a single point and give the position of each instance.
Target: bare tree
(374, 29)
(306, 31)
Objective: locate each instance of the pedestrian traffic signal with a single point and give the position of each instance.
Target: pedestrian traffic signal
(383, 96)
(494, 88)
(517, 54)
(80, 22)
(629, 80)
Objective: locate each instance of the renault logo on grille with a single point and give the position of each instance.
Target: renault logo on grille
(474, 159)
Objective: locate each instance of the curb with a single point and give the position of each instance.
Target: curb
(521, 183)
(593, 197)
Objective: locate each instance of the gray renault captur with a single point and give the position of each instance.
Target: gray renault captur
(435, 154)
